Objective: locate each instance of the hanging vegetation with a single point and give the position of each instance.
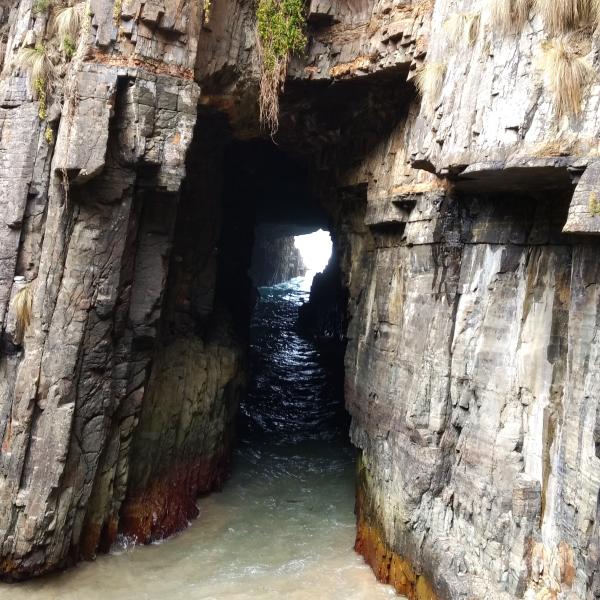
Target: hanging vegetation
(430, 82)
(460, 27)
(280, 33)
(567, 74)
(36, 61)
(509, 16)
(68, 26)
(561, 16)
(22, 304)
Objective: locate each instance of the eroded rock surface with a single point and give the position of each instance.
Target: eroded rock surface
(275, 259)
(465, 224)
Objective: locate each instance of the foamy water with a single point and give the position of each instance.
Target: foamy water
(284, 526)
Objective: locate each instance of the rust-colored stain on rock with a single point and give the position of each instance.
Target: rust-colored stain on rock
(168, 504)
(388, 566)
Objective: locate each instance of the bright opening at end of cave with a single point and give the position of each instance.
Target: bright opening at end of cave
(315, 249)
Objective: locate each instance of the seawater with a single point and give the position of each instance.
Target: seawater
(283, 526)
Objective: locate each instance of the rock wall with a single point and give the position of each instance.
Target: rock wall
(275, 259)
(123, 373)
(465, 223)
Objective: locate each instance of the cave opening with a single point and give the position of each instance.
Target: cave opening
(199, 419)
(289, 497)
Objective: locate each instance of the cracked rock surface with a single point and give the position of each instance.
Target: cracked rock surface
(466, 229)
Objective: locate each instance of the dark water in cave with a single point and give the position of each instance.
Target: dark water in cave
(283, 527)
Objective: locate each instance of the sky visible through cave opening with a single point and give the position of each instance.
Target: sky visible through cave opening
(315, 249)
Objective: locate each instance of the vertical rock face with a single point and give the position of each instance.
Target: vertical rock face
(121, 377)
(275, 259)
(466, 225)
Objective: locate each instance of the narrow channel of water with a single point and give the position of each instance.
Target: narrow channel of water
(283, 527)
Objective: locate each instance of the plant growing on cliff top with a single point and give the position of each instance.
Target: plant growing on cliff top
(22, 304)
(40, 7)
(561, 16)
(509, 16)
(280, 33)
(68, 26)
(566, 74)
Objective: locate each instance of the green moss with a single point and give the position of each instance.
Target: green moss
(40, 7)
(49, 136)
(39, 86)
(207, 4)
(117, 8)
(69, 47)
(281, 30)
(594, 205)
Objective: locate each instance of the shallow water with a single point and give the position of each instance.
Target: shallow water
(283, 526)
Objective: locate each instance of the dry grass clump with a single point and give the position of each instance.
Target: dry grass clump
(509, 16)
(461, 26)
(472, 24)
(22, 304)
(561, 16)
(36, 61)
(68, 26)
(430, 82)
(42, 72)
(566, 74)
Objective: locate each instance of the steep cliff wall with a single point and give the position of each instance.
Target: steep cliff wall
(275, 259)
(464, 221)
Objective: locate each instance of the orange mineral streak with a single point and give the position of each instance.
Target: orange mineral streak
(389, 567)
(168, 503)
(156, 67)
(98, 537)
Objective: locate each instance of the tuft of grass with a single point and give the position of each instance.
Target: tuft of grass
(49, 135)
(36, 61)
(22, 304)
(472, 24)
(462, 26)
(509, 16)
(561, 16)
(430, 81)
(566, 74)
(280, 33)
(68, 26)
(454, 27)
(40, 7)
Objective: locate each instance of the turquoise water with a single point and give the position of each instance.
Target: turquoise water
(283, 526)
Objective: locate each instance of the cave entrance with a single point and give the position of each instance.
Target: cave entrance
(295, 375)
(289, 501)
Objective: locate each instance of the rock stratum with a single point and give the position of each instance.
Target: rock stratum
(465, 220)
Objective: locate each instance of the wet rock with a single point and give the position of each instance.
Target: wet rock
(462, 224)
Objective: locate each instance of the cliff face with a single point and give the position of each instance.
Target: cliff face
(275, 259)
(464, 222)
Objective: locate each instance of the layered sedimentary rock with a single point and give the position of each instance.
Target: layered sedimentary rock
(465, 224)
(275, 259)
(108, 369)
